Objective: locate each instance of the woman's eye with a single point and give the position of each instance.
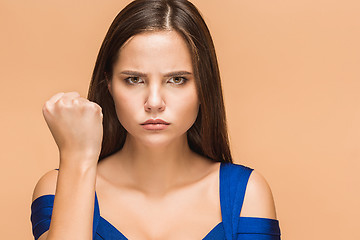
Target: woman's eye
(178, 80)
(133, 80)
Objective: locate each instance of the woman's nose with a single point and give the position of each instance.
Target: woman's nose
(154, 101)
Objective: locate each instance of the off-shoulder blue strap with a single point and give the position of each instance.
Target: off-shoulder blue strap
(255, 228)
(233, 179)
(41, 212)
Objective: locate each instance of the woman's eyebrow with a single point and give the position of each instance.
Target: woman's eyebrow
(170, 74)
(177, 73)
(133, 73)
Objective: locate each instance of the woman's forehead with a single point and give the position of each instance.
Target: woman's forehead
(155, 49)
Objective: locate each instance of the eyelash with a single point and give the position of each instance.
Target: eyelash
(184, 80)
(129, 80)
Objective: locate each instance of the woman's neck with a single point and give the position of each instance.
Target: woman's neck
(156, 170)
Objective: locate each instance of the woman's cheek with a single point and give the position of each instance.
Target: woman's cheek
(123, 106)
(190, 110)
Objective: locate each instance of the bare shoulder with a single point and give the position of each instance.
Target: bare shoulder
(46, 184)
(258, 201)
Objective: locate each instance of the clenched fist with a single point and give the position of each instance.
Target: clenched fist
(76, 125)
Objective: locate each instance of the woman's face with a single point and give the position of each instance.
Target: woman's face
(153, 80)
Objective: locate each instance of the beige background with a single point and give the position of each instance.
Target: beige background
(291, 79)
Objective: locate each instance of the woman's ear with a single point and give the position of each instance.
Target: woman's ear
(108, 82)
(109, 87)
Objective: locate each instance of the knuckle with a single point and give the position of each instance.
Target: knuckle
(46, 107)
(75, 101)
(59, 103)
(93, 105)
(62, 104)
(97, 107)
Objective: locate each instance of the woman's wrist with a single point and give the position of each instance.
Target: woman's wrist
(78, 161)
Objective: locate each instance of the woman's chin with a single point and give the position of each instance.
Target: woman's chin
(158, 141)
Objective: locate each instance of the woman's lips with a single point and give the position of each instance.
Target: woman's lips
(155, 124)
(152, 126)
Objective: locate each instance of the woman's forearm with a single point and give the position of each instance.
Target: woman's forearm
(73, 210)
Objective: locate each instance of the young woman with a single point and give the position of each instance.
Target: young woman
(146, 156)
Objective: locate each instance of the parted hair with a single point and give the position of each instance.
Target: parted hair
(208, 135)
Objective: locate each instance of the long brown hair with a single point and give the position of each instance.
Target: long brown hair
(208, 136)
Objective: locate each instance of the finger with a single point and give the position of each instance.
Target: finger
(68, 97)
(59, 95)
(54, 98)
(96, 107)
(79, 100)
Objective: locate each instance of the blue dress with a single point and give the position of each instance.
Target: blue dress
(233, 181)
